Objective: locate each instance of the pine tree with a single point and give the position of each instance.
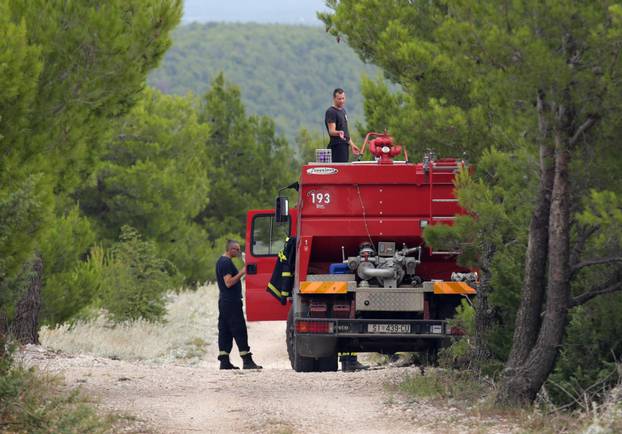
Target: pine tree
(154, 175)
(250, 162)
(67, 70)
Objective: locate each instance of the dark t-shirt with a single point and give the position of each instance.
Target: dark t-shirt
(225, 266)
(340, 119)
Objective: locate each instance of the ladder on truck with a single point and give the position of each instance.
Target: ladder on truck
(442, 204)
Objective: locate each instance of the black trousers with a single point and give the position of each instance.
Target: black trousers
(231, 325)
(339, 152)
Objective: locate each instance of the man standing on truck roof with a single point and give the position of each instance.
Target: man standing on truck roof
(336, 121)
(231, 323)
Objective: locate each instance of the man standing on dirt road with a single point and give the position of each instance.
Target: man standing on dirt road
(231, 323)
(336, 121)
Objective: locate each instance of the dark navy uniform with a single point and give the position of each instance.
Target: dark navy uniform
(231, 322)
(338, 146)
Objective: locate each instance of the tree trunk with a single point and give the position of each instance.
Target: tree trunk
(25, 326)
(527, 323)
(3, 334)
(483, 312)
(521, 385)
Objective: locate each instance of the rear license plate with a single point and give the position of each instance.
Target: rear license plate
(388, 328)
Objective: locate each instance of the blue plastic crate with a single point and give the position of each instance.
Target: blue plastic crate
(338, 268)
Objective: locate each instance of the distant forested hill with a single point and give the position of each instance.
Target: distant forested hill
(284, 71)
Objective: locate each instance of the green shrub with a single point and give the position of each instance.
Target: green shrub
(31, 402)
(586, 367)
(135, 279)
(458, 354)
(129, 280)
(191, 253)
(69, 283)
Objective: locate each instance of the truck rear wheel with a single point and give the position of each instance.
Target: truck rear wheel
(327, 364)
(299, 363)
(306, 364)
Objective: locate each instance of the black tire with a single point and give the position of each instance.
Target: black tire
(299, 363)
(327, 364)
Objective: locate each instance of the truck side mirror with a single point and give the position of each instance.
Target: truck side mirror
(281, 209)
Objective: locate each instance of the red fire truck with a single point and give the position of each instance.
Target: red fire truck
(364, 279)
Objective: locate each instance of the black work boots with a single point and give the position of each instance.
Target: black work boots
(350, 363)
(247, 359)
(248, 362)
(225, 363)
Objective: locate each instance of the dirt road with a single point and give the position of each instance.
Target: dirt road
(173, 398)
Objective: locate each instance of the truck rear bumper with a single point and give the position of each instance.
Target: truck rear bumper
(320, 337)
(338, 327)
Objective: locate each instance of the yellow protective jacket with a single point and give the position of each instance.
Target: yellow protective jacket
(282, 280)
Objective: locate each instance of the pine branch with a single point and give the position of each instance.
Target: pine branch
(584, 234)
(589, 123)
(613, 285)
(591, 262)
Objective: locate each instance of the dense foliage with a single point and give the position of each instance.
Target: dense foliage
(531, 91)
(286, 72)
(120, 191)
(153, 175)
(250, 161)
(69, 71)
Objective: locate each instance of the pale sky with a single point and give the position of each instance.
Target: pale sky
(263, 11)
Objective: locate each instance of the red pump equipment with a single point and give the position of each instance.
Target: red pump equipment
(382, 148)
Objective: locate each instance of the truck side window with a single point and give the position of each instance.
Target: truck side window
(268, 235)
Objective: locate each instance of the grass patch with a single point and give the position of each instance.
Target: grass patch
(474, 396)
(32, 402)
(189, 327)
(445, 384)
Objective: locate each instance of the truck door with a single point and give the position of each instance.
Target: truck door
(264, 239)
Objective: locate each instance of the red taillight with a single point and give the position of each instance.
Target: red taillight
(312, 327)
(456, 331)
